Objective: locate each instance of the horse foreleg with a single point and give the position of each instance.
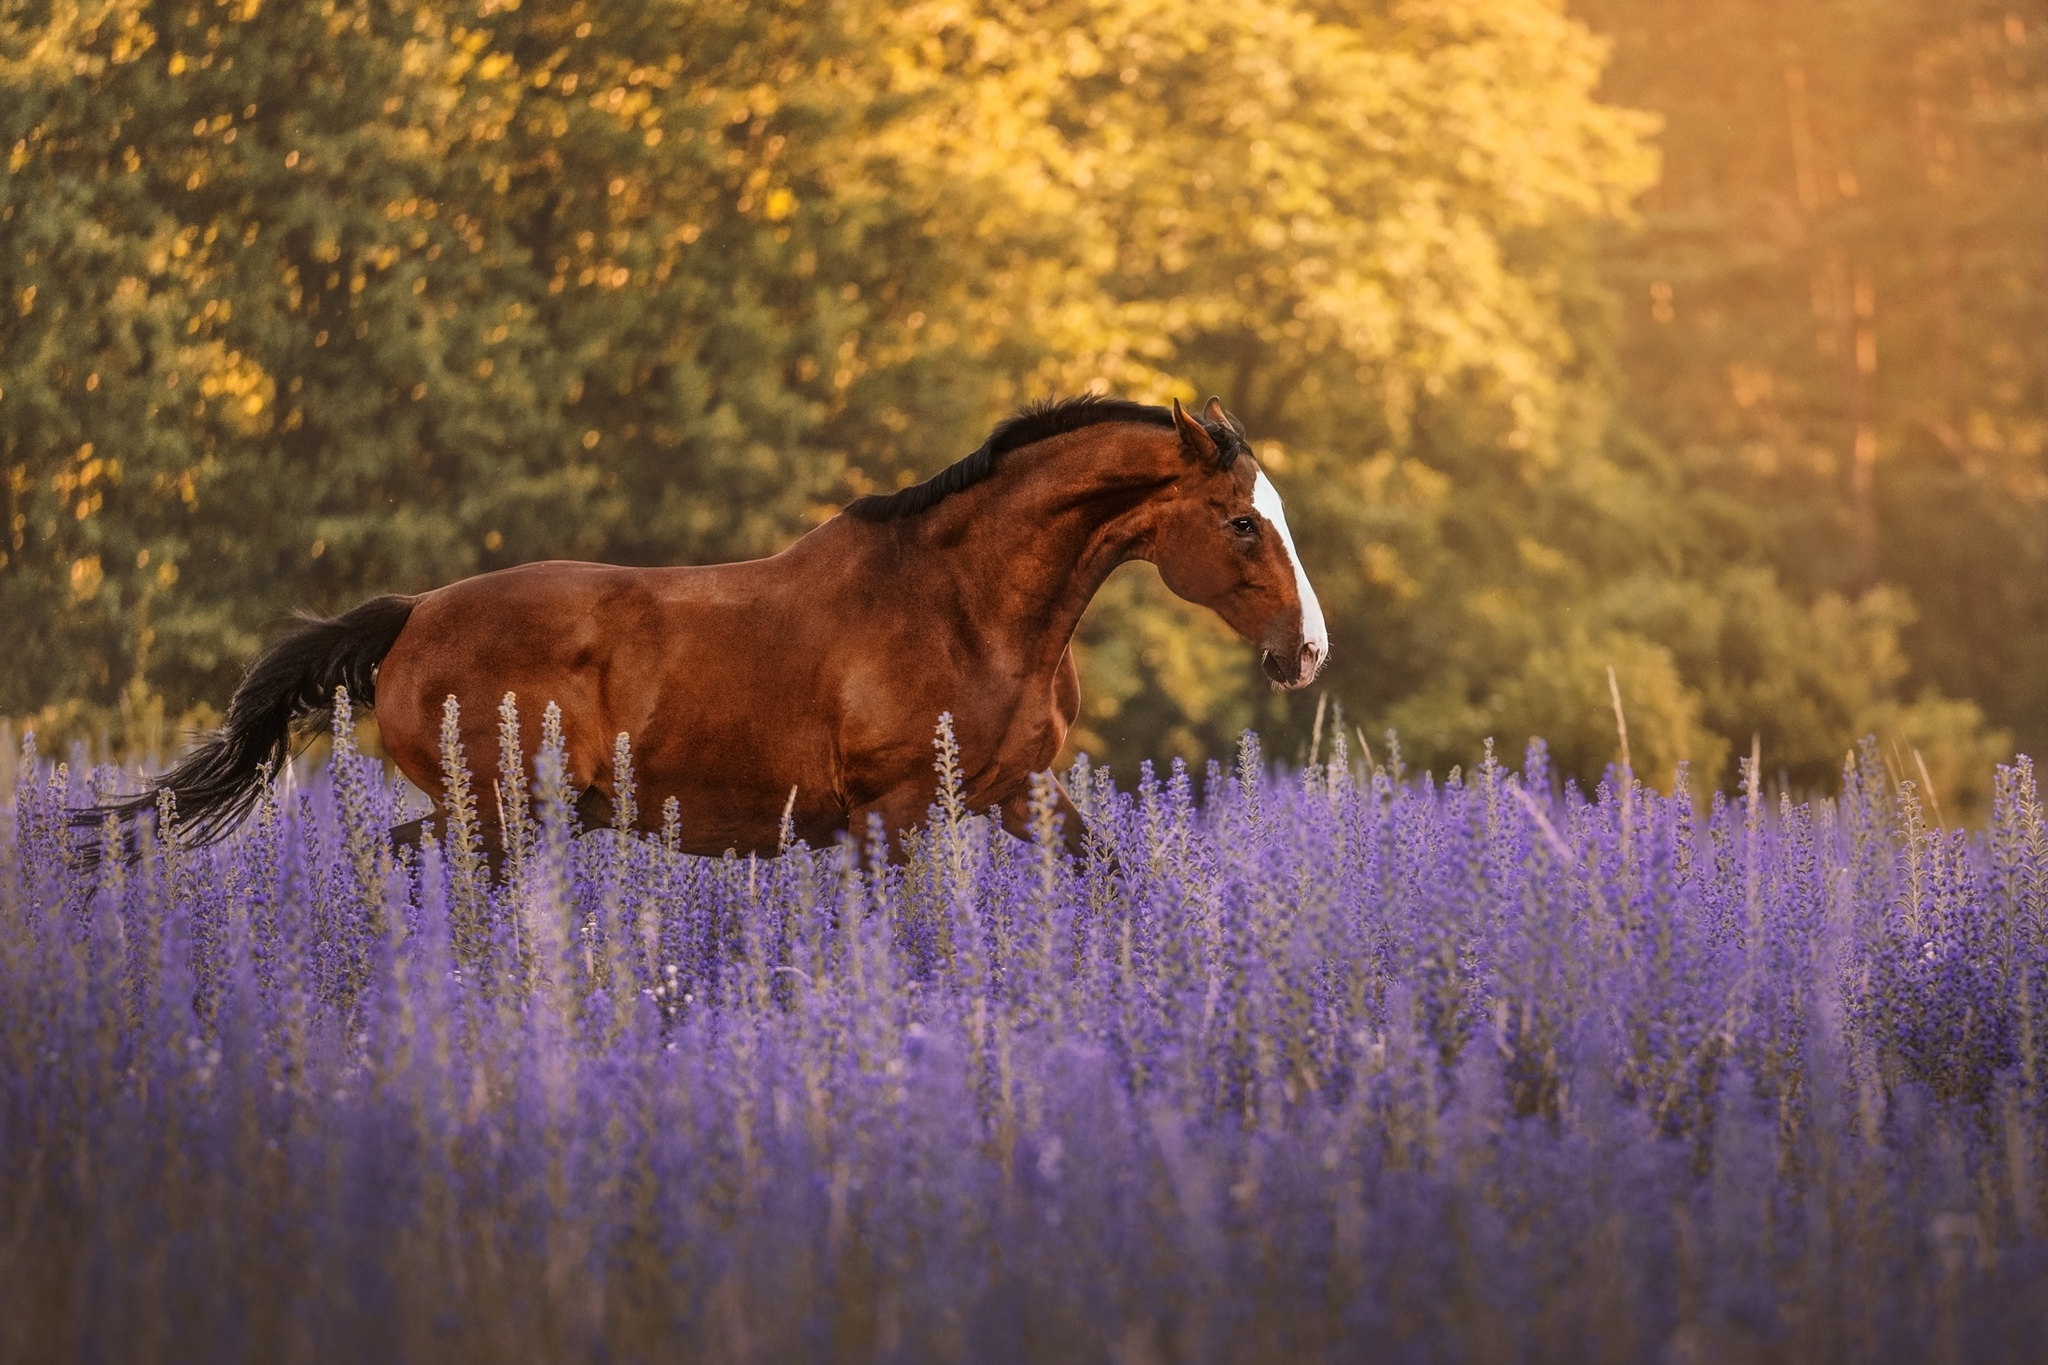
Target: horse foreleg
(901, 811)
(410, 835)
(1073, 829)
(594, 810)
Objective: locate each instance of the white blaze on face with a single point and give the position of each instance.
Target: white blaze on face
(1314, 633)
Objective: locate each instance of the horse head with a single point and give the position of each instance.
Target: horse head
(1221, 541)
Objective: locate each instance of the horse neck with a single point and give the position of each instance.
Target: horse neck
(1030, 546)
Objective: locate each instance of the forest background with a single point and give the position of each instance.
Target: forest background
(1705, 342)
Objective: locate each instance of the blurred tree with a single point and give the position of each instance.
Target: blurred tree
(310, 303)
(1837, 312)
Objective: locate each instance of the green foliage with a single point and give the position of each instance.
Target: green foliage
(310, 301)
(302, 303)
(1837, 311)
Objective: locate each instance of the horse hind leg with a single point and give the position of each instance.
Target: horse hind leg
(594, 811)
(407, 837)
(1073, 829)
(411, 835)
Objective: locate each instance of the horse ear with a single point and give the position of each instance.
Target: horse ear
(1213, 412)
(1195, 441)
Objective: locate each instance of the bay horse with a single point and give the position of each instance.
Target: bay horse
(820, 671)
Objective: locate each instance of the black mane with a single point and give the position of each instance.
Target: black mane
(1038, 422)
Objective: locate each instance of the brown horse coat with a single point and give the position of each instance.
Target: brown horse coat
(822, 670)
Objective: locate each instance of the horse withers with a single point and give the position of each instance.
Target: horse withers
(820, 670)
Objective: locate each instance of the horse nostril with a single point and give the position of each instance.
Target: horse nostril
(1311, 660)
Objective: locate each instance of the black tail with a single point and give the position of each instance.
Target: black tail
(217, 784)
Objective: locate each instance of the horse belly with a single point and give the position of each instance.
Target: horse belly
(733, 728)
(715, 812)
(733, 773)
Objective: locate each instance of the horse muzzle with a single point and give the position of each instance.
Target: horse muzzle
(1295, 670)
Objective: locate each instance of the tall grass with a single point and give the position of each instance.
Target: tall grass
(1336, 1065)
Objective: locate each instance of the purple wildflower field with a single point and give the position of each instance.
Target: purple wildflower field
(1341, 1063)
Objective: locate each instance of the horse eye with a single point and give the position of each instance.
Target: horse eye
(1244, 526)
